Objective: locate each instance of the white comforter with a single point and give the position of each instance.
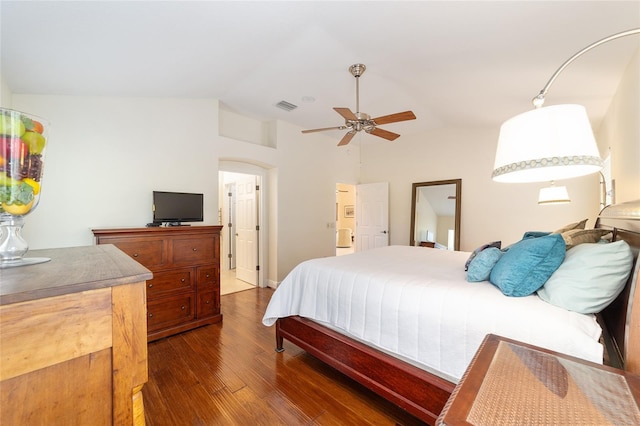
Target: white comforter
(415, 303)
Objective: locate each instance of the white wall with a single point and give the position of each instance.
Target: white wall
(241, 128)
(106, 156)
(307, 194)
(620, 133)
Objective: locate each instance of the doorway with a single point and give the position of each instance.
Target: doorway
(362, 217)
(345, 218)
(240, 213)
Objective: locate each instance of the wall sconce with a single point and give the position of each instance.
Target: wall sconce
(551, 143)
(553, 195)
(607, 194)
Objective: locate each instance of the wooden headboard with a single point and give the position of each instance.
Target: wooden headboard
(620, 322)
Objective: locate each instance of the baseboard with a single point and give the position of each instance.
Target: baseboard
(272, 284)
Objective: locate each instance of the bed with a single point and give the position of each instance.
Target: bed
(404, 322)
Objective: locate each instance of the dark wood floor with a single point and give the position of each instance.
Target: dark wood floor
(229, 374)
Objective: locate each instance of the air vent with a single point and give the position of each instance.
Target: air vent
(287, 106)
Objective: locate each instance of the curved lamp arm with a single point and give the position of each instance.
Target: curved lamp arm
(538, 101)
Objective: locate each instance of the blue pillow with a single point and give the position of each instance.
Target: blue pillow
(528, 264)
(481, 265)
(534, 234)
(496, 244)
(590, 278)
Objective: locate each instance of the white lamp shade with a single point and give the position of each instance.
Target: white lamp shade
(553, 195)
(545, 144)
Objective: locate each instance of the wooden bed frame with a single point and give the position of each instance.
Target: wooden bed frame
(424, 394)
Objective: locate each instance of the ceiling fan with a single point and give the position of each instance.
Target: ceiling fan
(358, 121)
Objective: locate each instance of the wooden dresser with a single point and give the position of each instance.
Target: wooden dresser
(185, 260)
(73, 346)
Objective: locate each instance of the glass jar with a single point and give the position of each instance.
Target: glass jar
(23, 144)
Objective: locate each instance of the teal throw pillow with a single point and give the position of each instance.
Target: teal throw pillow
(496, 244)
(481, 265)
(528, 264)
(534, 234)
(590, 278)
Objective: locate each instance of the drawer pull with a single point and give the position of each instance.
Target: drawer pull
(150, 314)
(207, 302)
(150, 285)
(182, 280)
(182, 307)
(135, 254)
(195, 249)
(208, 275)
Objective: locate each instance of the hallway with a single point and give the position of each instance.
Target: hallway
(229, 283)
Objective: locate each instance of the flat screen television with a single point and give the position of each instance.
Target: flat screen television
(176, 207)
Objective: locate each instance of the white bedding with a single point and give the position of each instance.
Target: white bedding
(415, 302)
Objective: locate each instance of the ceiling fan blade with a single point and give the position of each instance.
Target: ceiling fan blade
(394, 118)
(384, 134)
(347, 138)
(325, 128)
(346, 113)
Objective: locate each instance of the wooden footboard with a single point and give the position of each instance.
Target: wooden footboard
(409, 387)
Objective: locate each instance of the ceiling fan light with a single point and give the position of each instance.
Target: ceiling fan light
(544, 144)
(359, 121)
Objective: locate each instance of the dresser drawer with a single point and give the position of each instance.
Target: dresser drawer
(208, 303)
(150, 253)
(173, 281)
(207, 277)
(170, 311)
(192, 251)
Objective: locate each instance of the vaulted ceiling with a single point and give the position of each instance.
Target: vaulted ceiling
(453, 63)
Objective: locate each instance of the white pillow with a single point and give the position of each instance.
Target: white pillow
(590, 278)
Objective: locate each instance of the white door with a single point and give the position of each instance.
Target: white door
(246, 231)
(372, 215)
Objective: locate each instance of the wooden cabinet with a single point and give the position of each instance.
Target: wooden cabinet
(73, 347)
(185, 290)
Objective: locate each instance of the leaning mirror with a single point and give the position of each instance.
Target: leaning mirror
(435, 214)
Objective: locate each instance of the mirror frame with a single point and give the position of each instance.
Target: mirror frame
(414, 188)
